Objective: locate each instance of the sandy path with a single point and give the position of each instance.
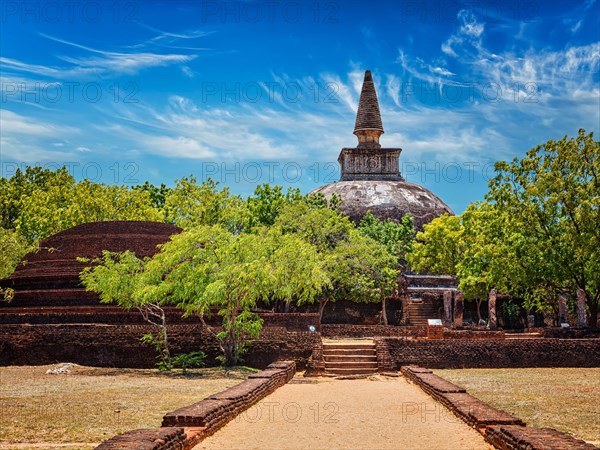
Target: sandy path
(375, 413)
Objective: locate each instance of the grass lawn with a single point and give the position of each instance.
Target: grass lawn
(565, 399)
(89, 405)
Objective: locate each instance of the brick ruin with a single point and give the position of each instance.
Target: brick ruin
(50, 277)
(52, 318)
(48, 290)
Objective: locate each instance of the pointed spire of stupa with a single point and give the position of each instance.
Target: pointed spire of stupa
(368, 126)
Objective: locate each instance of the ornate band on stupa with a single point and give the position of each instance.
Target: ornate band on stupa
(368, 161)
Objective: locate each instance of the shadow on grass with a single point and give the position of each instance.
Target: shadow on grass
(207, 373)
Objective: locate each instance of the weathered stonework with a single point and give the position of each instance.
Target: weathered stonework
(562, 309)
(447, 308)
(387, 200)
(370, 175)
(370, 163)
(459, 302)
(50, 277)
(492, 309)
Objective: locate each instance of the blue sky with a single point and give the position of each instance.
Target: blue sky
(251, 92)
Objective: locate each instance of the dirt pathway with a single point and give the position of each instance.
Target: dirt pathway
(375, 413)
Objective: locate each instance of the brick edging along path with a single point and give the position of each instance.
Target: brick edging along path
(186, 427)
(502, 430)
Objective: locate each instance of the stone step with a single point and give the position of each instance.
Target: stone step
(350, 365)
(337, 371)
(352, 357)
(349, 351)
(344, 346)
(522, 335)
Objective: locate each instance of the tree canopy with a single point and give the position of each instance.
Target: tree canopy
(206, 268)
(535, 237)
(553, 199)
(359, 268)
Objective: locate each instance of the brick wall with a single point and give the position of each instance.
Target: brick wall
(112, 315)
(361, 313)
(354, 331)
(119, 346)
(456, 354)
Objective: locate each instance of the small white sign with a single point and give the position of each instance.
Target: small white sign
(434, 322)
(564, 325)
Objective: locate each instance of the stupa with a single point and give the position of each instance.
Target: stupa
(371, 179)
(50, 277)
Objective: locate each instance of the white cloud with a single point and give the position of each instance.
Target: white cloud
(188, 72)
(173, 36)
(441, 71)
(26, 139)
(106, 63)
(469, 25)
(14, 124)
(470, 32)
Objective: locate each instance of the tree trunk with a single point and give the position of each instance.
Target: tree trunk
(478, 301)
(165, 338)
(230, 355)
(322, 304)
(593, 307)
(384, 312)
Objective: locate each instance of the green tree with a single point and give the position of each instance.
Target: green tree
(208, 267)
(553, 198)
(536, 237)
(462, 246)
(267, 201)
(190, 204)
(359, 268)
(158, 195)
(36, 203)
(14, 248)
(116, 277)
(397, 237)
(46, 211)
(322, 227)
(439, 247)
(23, 185)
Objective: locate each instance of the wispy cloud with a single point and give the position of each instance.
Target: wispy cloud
(469, 32)
(192, 34)
(533, 87)
(104, 63)
(26, 139)
(16, 124)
